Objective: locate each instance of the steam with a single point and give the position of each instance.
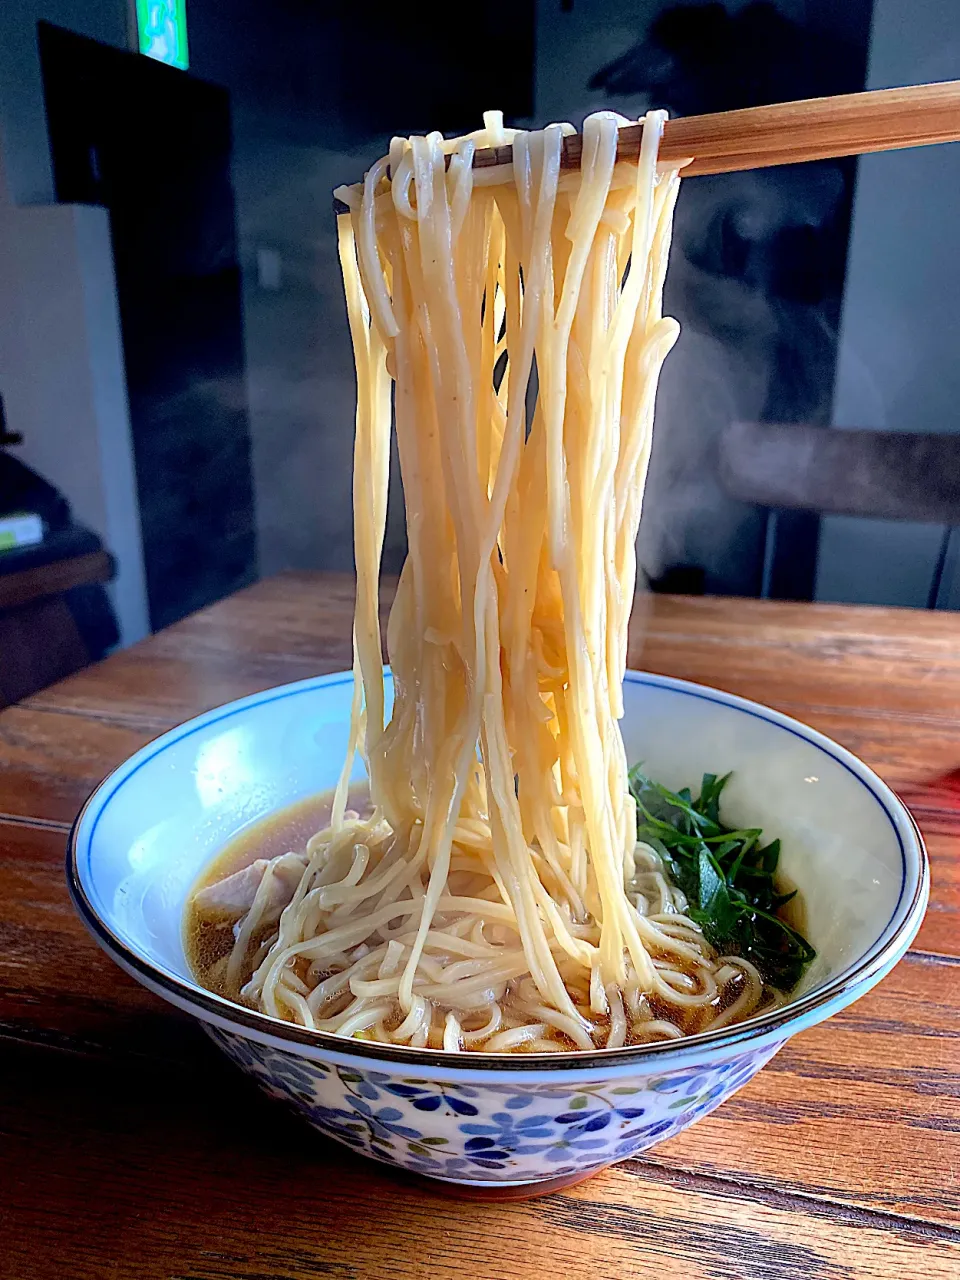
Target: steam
(739, 341)
(300, 372)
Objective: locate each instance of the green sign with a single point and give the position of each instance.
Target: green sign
(162, 25)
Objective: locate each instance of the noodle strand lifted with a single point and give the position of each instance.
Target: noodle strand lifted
(494, 897)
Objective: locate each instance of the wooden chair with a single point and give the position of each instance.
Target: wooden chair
(55, 616)
(41, 640)
(886, 475)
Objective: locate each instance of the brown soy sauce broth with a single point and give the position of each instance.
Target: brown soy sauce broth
(209, 942)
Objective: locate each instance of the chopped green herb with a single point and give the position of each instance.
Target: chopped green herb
(726, 875)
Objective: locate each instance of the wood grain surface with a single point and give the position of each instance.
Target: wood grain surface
(785, 132)
(130, 1148)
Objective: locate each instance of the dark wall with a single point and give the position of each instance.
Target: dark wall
(756, 278)
(317, 92)
(153, 146)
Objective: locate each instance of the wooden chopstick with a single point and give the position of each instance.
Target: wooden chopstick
(785, 132)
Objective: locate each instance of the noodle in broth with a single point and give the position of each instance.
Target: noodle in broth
(493, 895)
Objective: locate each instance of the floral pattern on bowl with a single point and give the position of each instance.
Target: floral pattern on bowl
(513, 1133)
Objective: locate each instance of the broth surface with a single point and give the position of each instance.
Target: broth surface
(207, 943)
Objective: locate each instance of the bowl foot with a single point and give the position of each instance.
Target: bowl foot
(503, 1192)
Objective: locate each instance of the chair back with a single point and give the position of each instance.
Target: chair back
(888, 475)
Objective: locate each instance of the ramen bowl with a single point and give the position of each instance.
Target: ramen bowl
(499, 1125)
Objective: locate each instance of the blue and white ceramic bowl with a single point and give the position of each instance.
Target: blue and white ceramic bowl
(508, 1124)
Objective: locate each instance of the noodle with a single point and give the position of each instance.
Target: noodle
(495, 898)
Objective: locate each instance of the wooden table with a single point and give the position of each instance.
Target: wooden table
(129, 1148)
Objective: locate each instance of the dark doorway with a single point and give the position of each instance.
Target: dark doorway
(153, 146)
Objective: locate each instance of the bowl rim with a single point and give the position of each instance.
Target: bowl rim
(818, 1003)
